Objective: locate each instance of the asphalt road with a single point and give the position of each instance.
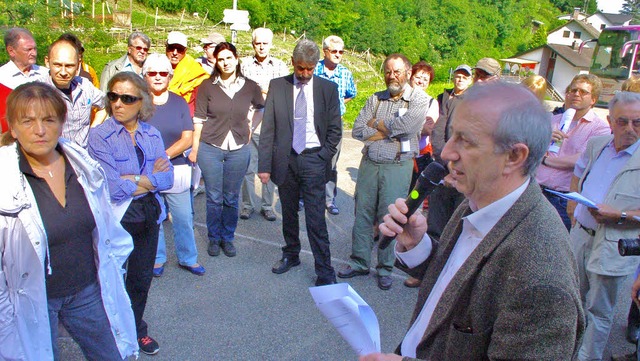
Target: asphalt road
(240, 310)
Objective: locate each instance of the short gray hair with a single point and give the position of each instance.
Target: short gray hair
(332, 40)
(623, 98)
(522, 119)
(147, 110)
(13, 35)
(306, 51)
(157, 62)
(262, 31)
(139, 35)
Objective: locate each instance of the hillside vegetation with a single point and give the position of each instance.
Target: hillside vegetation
(442, 32)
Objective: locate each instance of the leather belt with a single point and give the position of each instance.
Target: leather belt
(591, 232)
(308, 150)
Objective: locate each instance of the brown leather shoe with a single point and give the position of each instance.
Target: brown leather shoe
(412, 282)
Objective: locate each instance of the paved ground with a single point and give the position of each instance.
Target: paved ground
(241, 311)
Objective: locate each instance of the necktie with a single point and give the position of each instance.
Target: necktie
(300, 121)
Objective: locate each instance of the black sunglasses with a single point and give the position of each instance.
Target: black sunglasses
(126, 98)
(163, 74)
(179, 48)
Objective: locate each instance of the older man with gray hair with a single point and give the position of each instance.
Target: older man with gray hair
(331, 69)
(607, 173)
(21, 67)
(261, 68)
(500, 284)
(300, 131)
(138, 45)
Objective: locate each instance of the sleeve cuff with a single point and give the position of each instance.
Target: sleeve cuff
(418, 254)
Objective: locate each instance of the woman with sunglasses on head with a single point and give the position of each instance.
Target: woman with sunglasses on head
(133, 156)
(173, 121)
(62, 250)
(228, 108)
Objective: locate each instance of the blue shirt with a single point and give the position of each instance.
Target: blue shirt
(111, 145)
(603, 172)
(341, 76)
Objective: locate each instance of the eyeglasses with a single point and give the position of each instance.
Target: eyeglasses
(173, 47)
(141, 48)
(580, 91)
(396, 73)
(125, 98)
(334, 51)
(163, 74)
(622, 122)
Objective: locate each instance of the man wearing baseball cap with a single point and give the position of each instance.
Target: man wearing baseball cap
(208, 61)
(187, 72)
(487, 69)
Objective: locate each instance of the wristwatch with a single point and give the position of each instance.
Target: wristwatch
(136, 179)
(623, 217)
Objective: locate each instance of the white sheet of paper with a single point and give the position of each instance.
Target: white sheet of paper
(350, 315)
(574, 196)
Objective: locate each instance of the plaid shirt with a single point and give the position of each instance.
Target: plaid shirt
(341, 76)
(262, 73)
(403, 118)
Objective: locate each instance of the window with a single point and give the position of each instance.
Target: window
(566, 34)
(577, 34)
(603, 26)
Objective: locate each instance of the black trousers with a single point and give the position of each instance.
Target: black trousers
(443, 201)
(140, 264)
(306, 176)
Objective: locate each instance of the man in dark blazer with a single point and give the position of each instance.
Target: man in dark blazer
(501, 282)
(301, 129)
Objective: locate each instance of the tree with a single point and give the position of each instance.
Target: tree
(632, 7)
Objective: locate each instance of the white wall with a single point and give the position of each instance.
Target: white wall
(563, 74)
(597, 20)
(557, 37)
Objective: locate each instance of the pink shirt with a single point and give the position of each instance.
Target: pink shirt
(589, 126)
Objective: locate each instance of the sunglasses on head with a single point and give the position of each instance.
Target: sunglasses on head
(125, 98)
(174, 47)
(163, 74)
(141, 48)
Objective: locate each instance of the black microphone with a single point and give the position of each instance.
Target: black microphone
(429, 179)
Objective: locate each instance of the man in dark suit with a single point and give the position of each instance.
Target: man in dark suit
(501, 282)
(301, 129)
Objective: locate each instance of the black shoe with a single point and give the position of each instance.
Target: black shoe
(228, 248)
(148, 345)
(324, 282)
(332, 209)
(349, 272)
(285, 264)
(245, 213)
(214, 248)
(632, 333)
(384, 282)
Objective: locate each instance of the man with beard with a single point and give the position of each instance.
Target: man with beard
(388, 125)
(570, 140)
(137, 50)
(301, 129)
(21, 67)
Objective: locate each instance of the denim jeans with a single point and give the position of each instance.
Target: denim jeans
(83, 316)
(179, 204)
(223, 171)
(560, 204)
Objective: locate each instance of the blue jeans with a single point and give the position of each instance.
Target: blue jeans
(560, 204)
(179, 204)
(223, 171)
(83, 316)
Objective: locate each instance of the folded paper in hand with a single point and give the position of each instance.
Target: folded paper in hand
(577, 197)
(350, 315)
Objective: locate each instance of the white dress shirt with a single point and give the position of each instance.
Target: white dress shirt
(312, 138)
(12, 77)
(474, 228)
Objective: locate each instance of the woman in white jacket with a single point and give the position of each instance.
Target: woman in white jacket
(61, 249)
